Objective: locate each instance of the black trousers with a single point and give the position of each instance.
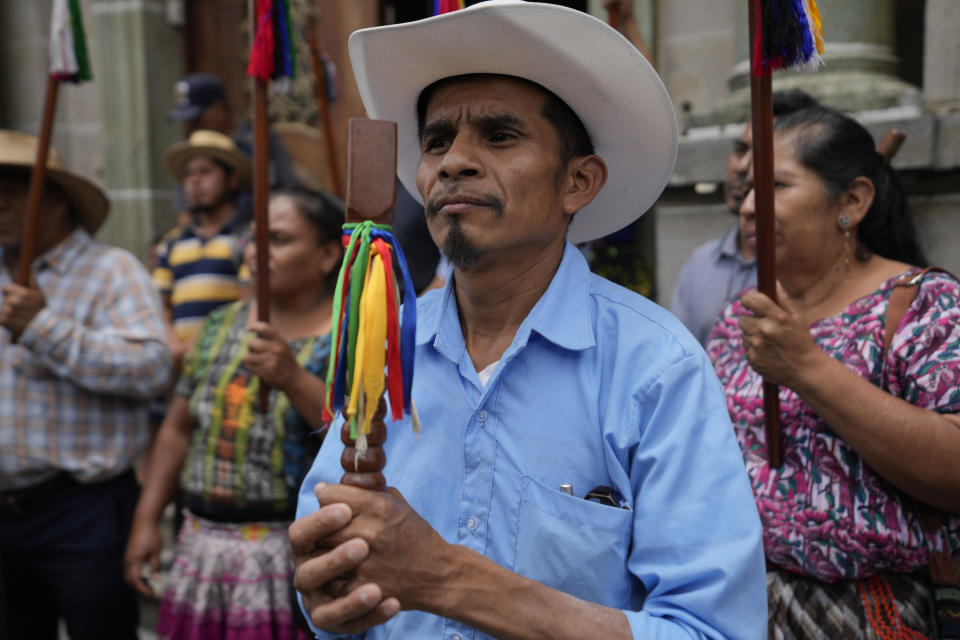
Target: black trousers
(62, 558)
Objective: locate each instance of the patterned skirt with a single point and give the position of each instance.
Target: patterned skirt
(230, 582)
(802, 608)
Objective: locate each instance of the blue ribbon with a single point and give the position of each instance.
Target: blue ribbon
(408, 322)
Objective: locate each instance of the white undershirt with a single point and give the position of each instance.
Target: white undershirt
(486, 373)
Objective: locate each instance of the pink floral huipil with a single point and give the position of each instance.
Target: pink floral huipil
(826, 513)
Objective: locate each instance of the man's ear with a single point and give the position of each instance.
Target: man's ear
(856, 201)
(585, 176)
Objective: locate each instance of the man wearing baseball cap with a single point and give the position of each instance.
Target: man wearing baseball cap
(577, 475)
(81, 351)
(201, 102)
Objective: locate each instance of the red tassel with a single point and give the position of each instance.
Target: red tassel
(261, 53)
(394, 364)
(758, 61)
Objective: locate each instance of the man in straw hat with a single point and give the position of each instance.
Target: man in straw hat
(198, 266)
(577, 475)
(83, 348)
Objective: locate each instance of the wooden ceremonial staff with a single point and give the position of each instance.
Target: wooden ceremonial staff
(35, 195)
(261, 198)
(320, 94)
(890, 144)
(371, 194)
(761, 119)
(613, 17)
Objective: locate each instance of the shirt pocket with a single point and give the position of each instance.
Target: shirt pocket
(574, 545)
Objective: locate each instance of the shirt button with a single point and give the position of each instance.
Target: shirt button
(456, 636)
(481, 415)
(472, 523)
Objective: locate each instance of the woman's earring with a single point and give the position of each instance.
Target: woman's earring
(846, 248)
(844, 222)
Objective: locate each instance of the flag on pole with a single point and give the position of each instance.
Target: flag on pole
(68, 44)
(272, 54)
(789, 34)
(446, 6)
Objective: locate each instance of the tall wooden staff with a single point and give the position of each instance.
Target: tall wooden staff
(783, 33)
(68, 62)
(271, 56)
(321, 82)
(371, 194)
(373, 338)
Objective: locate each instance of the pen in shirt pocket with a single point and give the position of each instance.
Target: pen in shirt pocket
(601, 493)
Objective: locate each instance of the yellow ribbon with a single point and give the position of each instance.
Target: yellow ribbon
(371, 343)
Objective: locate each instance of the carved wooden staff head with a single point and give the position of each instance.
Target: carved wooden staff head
(371, 194)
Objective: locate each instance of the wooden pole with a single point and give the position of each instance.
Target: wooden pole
(613, 17)
(371, 194)
(28, 242)
(320, 94)
(761, 118)
(891, 144)
(261, 198)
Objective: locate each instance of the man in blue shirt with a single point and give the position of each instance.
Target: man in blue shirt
(719, 269)
(536, 381)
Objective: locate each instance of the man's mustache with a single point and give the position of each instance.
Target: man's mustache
(435, 203)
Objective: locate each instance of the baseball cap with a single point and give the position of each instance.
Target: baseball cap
(193, 94)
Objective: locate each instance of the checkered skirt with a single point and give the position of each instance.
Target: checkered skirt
(803, 608)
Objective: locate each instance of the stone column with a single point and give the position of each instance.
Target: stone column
(137, 62)
(861, 70)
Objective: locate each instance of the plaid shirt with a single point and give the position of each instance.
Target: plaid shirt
(74, 389)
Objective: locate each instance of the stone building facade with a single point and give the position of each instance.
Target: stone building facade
(893, 63)
(890, 63)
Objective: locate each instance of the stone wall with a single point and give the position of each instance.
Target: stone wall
(113, 129)
(929, 115)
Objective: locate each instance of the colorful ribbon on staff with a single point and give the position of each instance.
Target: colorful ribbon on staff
(371, 332)
(69, 61)
(272, 54)
(446, 6)
(789, 34)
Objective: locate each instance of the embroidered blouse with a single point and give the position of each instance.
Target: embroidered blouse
(240, 458)
(825, 513)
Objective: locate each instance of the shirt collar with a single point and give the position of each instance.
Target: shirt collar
(730, 245)
(62, 256)
(234, 224)
(561, 315)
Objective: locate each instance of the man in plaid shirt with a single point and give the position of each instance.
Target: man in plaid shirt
(80, 353)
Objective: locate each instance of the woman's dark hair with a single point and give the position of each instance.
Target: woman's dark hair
(325, 214)
(839, 150)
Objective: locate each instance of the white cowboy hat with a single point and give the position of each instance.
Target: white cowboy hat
(87, 200)
(214, 144)
(596, 71)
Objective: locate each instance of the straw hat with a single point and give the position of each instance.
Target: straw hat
(87, 200)
(207, 143)
(596, 71)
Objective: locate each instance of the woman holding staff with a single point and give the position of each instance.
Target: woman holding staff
(240, 468)
(869, 404)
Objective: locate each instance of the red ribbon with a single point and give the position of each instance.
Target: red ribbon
(261, 53)
(394, 364)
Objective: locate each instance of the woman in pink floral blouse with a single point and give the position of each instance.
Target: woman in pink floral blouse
(864, 436)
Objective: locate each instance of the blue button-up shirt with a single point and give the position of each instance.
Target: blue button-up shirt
(599, 387)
